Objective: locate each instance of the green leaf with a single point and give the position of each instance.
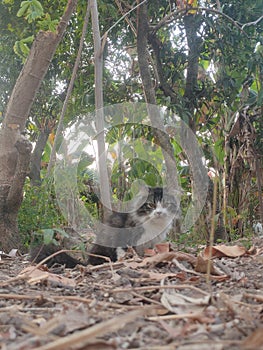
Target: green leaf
(23, 8)
(31, 10)
(219, 151)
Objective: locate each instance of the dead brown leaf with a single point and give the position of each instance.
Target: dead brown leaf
(163, 257)
(202, 266)
(254, 340)
(223, 250)
(35, 276)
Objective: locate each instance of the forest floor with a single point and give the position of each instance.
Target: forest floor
(165, 301)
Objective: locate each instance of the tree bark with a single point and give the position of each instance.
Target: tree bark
(14, 148)
(192, 24)
(162, 139)
(35, 162)
(105, 191)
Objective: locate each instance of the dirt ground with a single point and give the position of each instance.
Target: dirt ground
(170, 300)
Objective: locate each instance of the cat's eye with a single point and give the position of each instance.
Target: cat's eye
(149, 206)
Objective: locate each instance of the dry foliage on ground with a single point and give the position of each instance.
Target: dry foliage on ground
(165, 301)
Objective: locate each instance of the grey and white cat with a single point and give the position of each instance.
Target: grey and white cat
(145, 224)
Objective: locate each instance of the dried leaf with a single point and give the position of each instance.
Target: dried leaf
(254, 340)
(202, 265)
(179, 303)
(36, 276)
(223, 250)
(164, 257)
(162, 247)
(13, 253)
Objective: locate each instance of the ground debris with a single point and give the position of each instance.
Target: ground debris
(164, 301)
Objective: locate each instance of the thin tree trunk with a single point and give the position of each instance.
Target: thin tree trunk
(69, 90)
(105, 193)
(158, 127)
(14, 148)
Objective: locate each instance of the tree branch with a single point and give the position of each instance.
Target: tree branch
(182, 12)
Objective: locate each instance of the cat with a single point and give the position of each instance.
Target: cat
(146, 223)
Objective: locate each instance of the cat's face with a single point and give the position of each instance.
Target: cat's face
(158, 206)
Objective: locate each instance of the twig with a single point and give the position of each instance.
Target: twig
(82, 337)
(190, 315)
(177, 14)
(254, 296)
(122, 17)
(252, 23)
(146, 299)
(126, 18)
(212, 234)
(148, 288)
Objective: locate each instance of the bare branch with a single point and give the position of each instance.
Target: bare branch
(252, 23)
(126, 18)
(180, 13)
(122, 17)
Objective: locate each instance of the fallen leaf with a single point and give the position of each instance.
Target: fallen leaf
(149, 252)
(13, 253)
(254, 340)
(180, 303)
(202, 266)
(35, 276)
(162, 247)
(163, 257)
(223, 250)
(158, 276)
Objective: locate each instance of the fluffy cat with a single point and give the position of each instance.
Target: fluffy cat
(145, 224)
(140, 228)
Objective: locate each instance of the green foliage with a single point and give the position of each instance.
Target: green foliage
(48, 236)
(21, 47)
(31, 10)
(39, 210)
(219, 151)
(135, 155)
(48, 24)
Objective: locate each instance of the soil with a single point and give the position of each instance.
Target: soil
(170, 300)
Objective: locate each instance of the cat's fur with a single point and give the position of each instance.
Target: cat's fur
(146, 224)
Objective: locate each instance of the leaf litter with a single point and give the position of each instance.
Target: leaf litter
(163, 301)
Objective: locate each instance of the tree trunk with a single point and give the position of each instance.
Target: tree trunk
(14, 148)
(35, 163)
(161, 137)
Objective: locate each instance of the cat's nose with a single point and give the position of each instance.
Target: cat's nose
(158, 213)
